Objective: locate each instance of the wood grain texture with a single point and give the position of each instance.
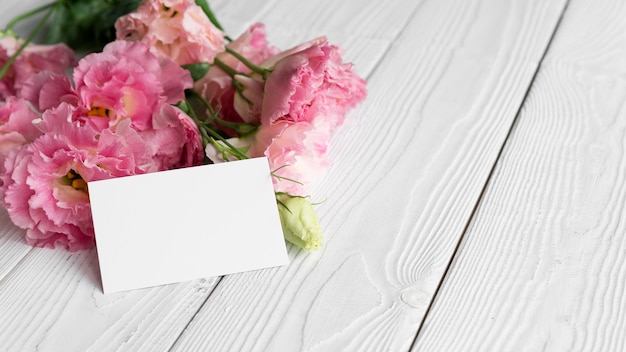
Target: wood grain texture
(46, 296)
(11, 243)
(409, 168)
(543, 266)
(53, 301)
(365, 30)
(13, 247)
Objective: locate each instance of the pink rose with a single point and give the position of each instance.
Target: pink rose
(33, 59)
(45, 189)
(177, 29)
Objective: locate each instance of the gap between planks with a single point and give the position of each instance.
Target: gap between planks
(389, 44)
(367, 76)
(209, 294)
(489, 177)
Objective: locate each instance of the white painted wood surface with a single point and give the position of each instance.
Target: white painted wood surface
(408, 172)
(542, 263)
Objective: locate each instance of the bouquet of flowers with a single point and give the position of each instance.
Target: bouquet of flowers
(166, 88)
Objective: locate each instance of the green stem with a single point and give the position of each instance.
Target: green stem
(243, 128)
(32, 35)
(203, 101)
(208, 133)
(264, 72)
(199, 124)
(233, 150)
(287, 179)
(204, 5)
(229, 70)
(232, 73)
(28, 14)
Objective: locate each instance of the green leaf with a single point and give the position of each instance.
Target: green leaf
(197, 70)
(184, 106)
(60, 24)
(87, 24)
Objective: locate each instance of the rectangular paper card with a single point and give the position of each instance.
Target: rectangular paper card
(184, 224)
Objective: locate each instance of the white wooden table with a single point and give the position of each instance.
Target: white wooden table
(477, 200)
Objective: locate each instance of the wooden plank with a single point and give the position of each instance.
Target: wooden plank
(49, 294)
(12, 8)
(51, 298)
(408, 171)
(543, 265)
(54, 298)
(12, 245)
(365, 30)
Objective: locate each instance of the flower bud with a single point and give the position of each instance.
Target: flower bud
(299, 221)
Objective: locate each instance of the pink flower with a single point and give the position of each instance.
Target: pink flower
(47, 90)
(16, 126)
(45, 188)
(174, 139)
(177, 29)
(192, 152)
(311, 82)
(127, 81)
(217, 85)
(251, 44)
(33, 59)
(117, 121)
(249, 100)
(296, 153)
(305, 98)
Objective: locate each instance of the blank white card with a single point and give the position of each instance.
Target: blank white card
(184, 224)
